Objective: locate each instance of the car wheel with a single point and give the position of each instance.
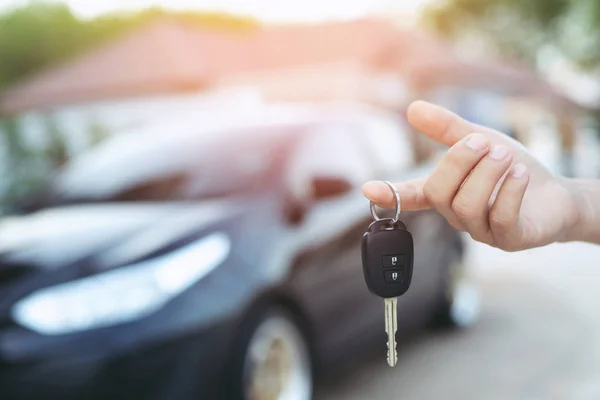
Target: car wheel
(461, 304)
(274, 361)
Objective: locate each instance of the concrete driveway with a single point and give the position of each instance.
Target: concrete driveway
(538, 336)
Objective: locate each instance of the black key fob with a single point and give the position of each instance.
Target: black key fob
(387, 258)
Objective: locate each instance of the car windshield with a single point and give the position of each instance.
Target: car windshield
(168, 168)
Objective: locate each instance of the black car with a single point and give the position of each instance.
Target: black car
(210, 258)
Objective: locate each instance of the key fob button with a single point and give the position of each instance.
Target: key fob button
(394, 276)
(395, 260)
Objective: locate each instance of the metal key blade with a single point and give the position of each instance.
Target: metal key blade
(391, 326)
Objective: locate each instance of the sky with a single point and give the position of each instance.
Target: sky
(265, 10)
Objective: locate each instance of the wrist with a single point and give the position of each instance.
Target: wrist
(585, 225)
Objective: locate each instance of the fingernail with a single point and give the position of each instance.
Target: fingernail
(476, 141)
(499, 152)
(519, 170)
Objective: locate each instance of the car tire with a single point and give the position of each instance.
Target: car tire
(272, 360)
(460, 306)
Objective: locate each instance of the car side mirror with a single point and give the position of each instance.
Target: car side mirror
(325, 187)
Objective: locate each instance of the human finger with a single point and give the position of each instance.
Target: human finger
(504, 214)
(471, 203)
(450, 173)
(411, 194)
(438, 123)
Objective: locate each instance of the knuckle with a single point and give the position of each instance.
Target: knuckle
(500, 221)
(462, 208)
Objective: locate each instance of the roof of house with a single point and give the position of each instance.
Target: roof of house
(164, 56)
(360, 40)
(168, 56)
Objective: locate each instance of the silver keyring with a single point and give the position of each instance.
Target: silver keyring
(398, 207)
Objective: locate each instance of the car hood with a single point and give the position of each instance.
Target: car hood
(112, 233)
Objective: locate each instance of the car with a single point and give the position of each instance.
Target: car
(214, 255)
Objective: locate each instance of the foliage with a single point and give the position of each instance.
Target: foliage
(27, 168)
(40, 34)
(521, 27)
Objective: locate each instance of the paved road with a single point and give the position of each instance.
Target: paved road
(538, 336)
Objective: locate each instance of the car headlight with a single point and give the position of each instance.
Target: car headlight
(123, 294)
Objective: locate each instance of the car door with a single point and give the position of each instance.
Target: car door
(328, 277)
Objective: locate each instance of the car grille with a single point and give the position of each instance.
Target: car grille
(11, 273)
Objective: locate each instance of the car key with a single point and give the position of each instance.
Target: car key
(387, 257)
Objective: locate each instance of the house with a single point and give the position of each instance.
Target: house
(167, 67)
(170, 58)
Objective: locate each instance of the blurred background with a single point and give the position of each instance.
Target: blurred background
(180, 207)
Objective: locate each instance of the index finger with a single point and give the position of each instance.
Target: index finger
(439, 124)
(411, 194)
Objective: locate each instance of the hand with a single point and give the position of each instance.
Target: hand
(487, 184)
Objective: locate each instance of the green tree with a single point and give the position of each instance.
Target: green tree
(97, 132)
(34, 36)
(28, 168)
(40, 34)
(521, 27)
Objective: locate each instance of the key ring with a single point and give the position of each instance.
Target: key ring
(398, 208)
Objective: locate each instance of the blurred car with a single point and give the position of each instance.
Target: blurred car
(212, 256)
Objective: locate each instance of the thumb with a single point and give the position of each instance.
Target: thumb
(411, 194)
